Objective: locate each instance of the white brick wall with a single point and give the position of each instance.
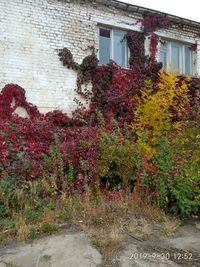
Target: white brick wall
(32, 31)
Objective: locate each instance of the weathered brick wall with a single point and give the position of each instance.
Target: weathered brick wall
(32, 31)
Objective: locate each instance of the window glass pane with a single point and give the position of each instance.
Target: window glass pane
(176, 57)
(188, 60)
(163, 58)
(164, 46)
(164, 54)
(120, 48)
(104, 46)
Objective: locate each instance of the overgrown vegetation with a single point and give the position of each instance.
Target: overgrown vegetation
(136, 150)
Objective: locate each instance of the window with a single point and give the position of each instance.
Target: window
(176, 56)
(113, 45)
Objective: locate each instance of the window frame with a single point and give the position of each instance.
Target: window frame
(182, 55)
(112, 30)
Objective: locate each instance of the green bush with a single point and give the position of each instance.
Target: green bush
(118, 160)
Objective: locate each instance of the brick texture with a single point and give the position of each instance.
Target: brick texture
(32, 31)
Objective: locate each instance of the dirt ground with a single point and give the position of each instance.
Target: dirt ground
(73, 249)
(181, 249)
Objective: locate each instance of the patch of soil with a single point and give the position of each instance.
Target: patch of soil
(159, 250)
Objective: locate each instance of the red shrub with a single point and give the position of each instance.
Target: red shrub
(13, 96)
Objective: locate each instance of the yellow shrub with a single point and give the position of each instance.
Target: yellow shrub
(153, 112)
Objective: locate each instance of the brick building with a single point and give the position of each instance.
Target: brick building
(32, 32)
